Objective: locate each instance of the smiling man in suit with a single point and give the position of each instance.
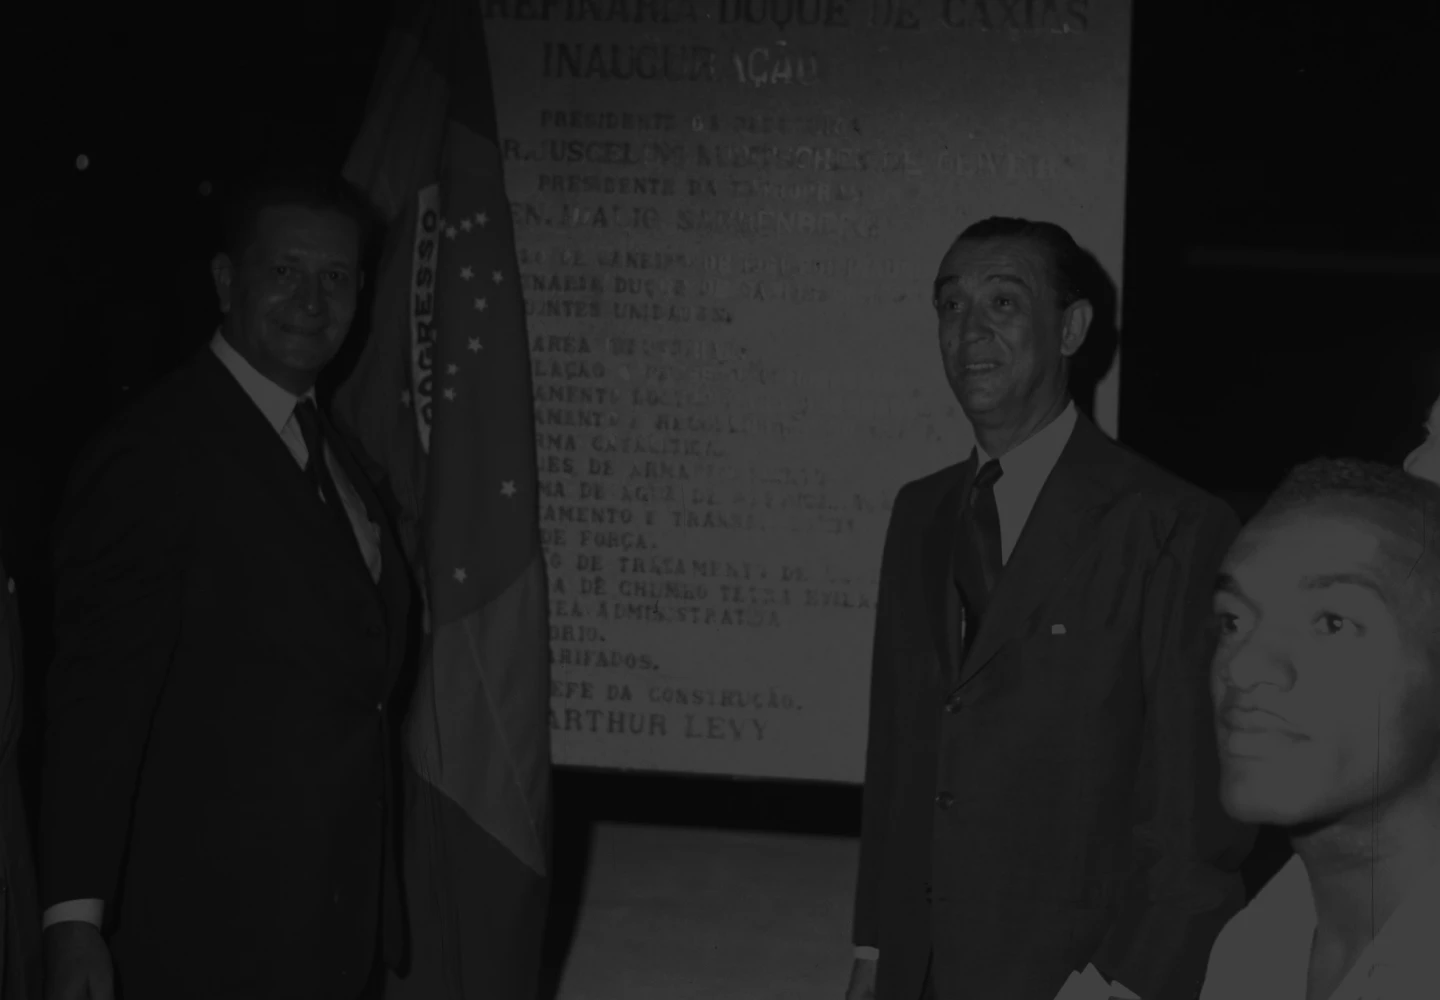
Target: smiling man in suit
(1040, 788)
(231, 619)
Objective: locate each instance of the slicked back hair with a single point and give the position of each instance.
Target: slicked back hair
(1069, 266)
(1404, 504)
(314, 190)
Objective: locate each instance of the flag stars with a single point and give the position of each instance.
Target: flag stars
(507, 488)
(405, 397)
(465, 225)
(497, 276)
(467, 272)
(481, 219)
(480, 305)
(450, 394)
(459, 574)
(475, 347)
(450, 232)
(452, 369)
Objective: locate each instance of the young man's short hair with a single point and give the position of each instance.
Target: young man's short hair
(1402, 503)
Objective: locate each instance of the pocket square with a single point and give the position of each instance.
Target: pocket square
(1057, 629)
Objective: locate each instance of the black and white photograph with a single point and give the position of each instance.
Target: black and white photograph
(722, 500)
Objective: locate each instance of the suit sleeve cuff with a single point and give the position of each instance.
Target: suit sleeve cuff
(90, 911)
(866, 953)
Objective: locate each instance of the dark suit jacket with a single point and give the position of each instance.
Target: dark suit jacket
(1059, 805)
(19, 913)
(219, 767)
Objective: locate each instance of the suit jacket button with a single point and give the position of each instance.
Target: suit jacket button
(944, 800)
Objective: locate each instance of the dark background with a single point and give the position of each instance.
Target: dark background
(1281, 263)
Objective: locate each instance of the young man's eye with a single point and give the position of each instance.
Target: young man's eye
(1329, 623)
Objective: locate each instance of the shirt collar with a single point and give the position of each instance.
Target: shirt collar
(1268, 943)
(1033, 458)
(275, 403)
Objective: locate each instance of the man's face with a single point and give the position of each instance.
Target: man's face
(1325, 699)
(1424, 461)
(1002, 332)
(288, 305)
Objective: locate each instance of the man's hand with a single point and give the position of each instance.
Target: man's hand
(77, 963)
(862, 979)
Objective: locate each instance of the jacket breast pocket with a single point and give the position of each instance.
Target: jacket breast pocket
(1073, 662)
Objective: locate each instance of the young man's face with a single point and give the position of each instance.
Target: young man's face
(1325, 697)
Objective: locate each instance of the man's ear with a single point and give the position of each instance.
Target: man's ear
(1075, 326)
(222, 269)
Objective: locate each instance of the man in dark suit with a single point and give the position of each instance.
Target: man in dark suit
(1040, 789)
(231, 618)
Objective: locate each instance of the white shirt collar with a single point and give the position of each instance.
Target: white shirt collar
(1263, 952)
(1033, 458)
(275, 403)
(1026, 468)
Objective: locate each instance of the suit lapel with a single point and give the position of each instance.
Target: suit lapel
(937, 547)
(247, 432)
(394, 580)
(1061, 527)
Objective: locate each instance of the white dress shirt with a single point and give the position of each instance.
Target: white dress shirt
(1023, 473)
(1264, 951)
(278, 406)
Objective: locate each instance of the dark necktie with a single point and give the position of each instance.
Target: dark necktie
(978, 561)
(312, 428)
